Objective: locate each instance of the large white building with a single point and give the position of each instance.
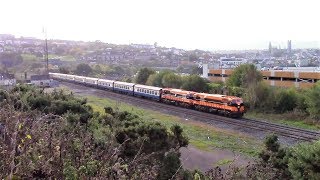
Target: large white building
(229, 63)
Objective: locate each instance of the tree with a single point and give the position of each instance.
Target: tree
(275, 157)
(286, 100)
(266, 96)
(195, 83)
(313, 101)
(171, 80)
(216, 88)
(9, 59)
(305, 161)
(156, 79)
(171, 164)
(193, 57)
(64, 70)
(196, 70)
(143, 75)
(83, 69)
(246, 76)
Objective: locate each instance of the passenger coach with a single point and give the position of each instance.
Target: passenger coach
(123, 87)
(150, 92)
(105, 84)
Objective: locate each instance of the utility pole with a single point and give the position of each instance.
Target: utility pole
(46, 56)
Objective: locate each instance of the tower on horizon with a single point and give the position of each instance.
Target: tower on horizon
(270, 47)
(289, 47)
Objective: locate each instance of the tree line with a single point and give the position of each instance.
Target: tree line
(247, 82)
(170, 79)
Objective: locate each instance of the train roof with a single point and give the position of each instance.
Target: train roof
(211, 95)
(106, 80)
(178, 91)
(54, 73)
(147, 87)
(76, 76)
(123, 83)
(215, 96)
(91, 78)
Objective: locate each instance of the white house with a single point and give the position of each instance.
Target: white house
(7, 79)
(41, 80)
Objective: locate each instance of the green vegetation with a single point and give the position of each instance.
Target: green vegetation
(298, 162)
(30, 57)
(56, 135)
(300, 106)
(288, 118)
(10, 59)
(83, 69)
(200, 135)
(274, 162)
(143, 75)
(172, 80)
(223, 162)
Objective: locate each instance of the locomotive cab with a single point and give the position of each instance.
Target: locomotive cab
(238, 103)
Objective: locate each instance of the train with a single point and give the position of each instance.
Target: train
(230, 106)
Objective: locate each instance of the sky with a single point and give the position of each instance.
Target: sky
(187, 24)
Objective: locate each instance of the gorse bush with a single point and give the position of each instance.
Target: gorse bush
(59, 136)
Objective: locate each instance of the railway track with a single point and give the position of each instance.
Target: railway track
(279, 129)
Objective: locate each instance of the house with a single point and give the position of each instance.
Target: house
(55, 61)
(229, 63)
(41, 80)
(7, 79)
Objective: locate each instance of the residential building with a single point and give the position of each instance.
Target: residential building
(7, 79)
(291, 77)
(229, 63)
(41, 80)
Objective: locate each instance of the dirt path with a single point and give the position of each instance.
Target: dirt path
(193, 158)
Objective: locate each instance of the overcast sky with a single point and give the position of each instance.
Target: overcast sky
(202, 24)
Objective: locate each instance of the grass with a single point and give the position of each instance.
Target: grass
(200, 135)
(29, 57)
(62, 58)
(223, 162)
(286, 119)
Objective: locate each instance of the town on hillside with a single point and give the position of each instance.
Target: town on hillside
(29, 53)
